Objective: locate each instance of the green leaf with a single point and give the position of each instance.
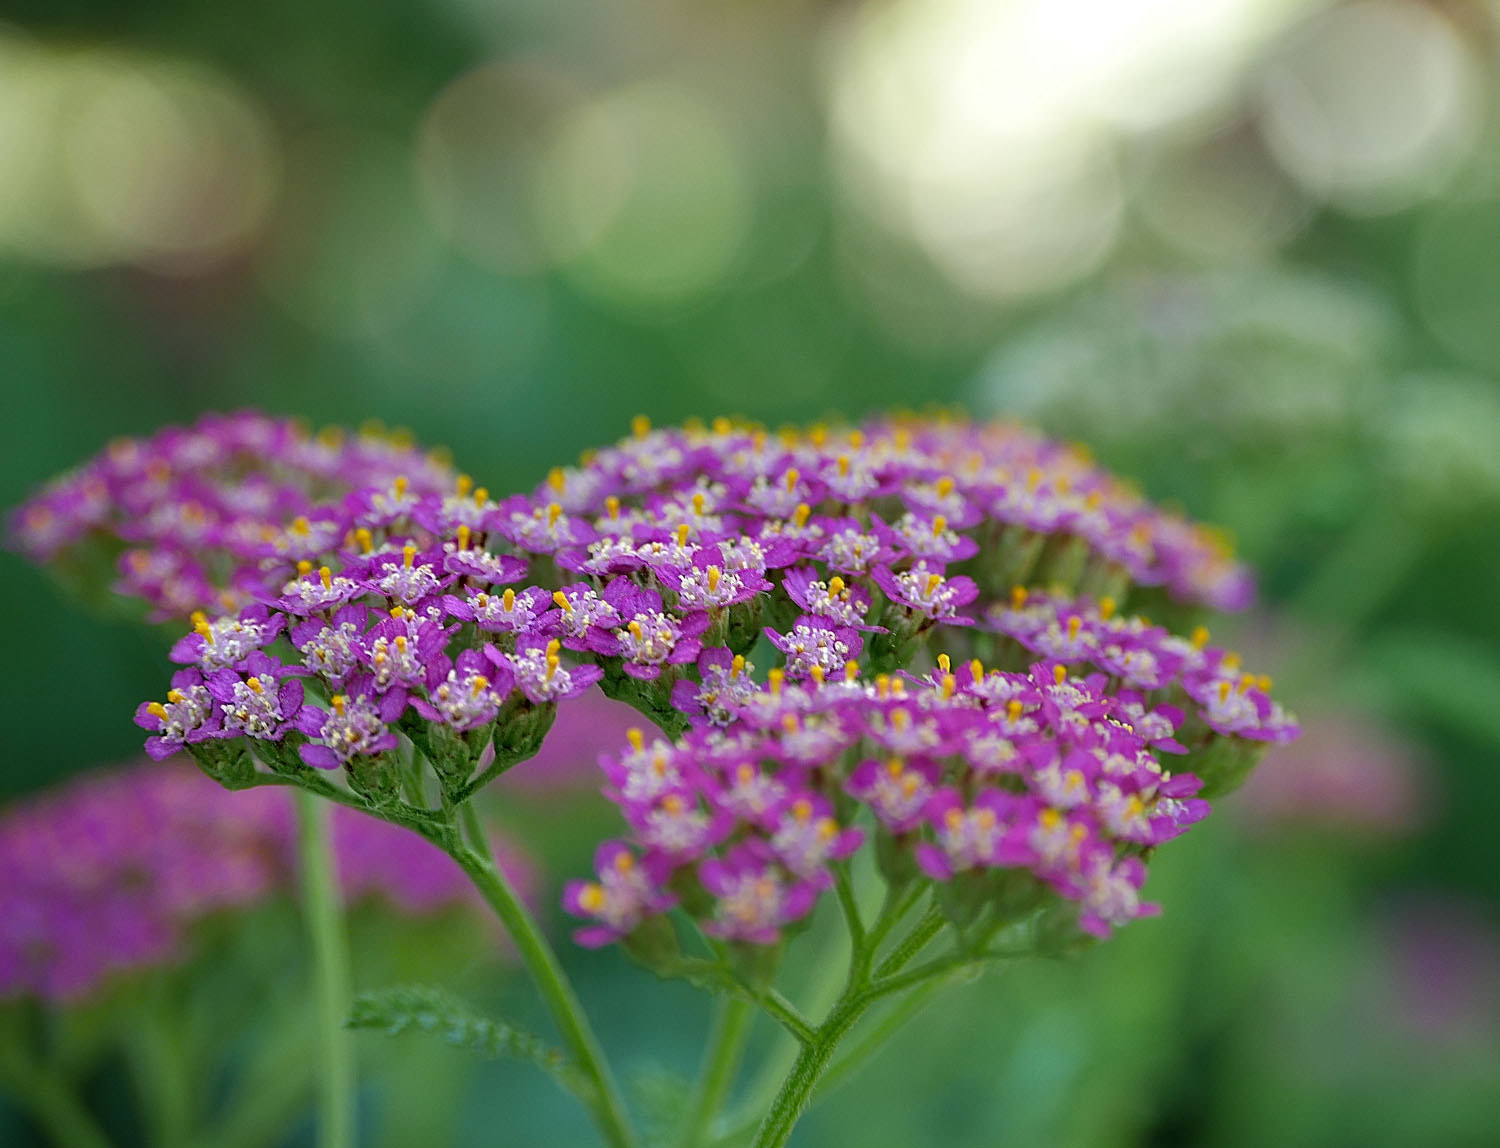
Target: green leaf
(428, 1009)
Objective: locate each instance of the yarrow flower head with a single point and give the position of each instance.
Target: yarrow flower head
(898, 648)
(211, 515)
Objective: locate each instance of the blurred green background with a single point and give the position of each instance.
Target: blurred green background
(1248, 250)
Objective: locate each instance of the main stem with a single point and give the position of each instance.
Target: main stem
(812, 1062)
(547, 974)
(722, 1058)
(865, 985)
(330, 951)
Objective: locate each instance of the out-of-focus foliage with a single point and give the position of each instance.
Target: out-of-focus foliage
(1248, 250)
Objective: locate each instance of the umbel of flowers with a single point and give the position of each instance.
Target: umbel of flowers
(914, 640)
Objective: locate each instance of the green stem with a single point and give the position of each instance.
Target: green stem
(720, 1062)
(160, 1071)
(330, 951)
(479, 840)
(872, 1041)
(548, 976)
(796, 1091)
(849, 904)
(862, 989)
(912, 944)
(938, 967)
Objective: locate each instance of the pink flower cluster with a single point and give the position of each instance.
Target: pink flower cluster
(107, 874)
(204, 511)
(965, 775)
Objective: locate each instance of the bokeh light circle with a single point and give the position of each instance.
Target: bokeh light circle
(643, 196)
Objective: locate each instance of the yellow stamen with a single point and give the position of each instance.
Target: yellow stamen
(736, 667)
(713, 578)
(481, 496)
(635, 629)
(774, 678)
(1224, 688)
(398, 612)
(508, 600)
(479, 684)
(856, 439)
(408, 555)
(895, 767)
(591, 898)
(950, 685)
(816, 673)
(698, 503)
(337, 702)
(640, 426)
(1075, 623)
(789, 723)
(683, 530)
(883, 686)
(900, 719)
(1107, 607)
(1018, 597)
(722, 425)
(933, 582)
(463, 485)
(791, 477)
(175, 696)
(939, 524)
(463, 536)
(157, 710)
(944, 487)
(851, 670)
(843, 463)
(976, 670)
(554, 512)
(1013, 709)
(1200, 637)
(562, 601)
(325, 576)
(945, 663)
(624, 862)
(802, 809)
(801, 514)
(835, 586)
(364, 540)
(556, 479)
(300, 525)
(612, 508)
(1059, 673)
(304, 568)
